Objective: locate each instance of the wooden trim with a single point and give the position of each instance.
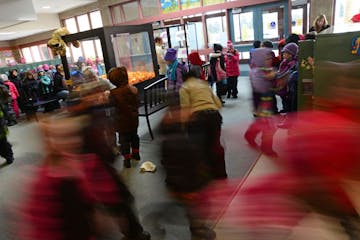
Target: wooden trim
(33, 43)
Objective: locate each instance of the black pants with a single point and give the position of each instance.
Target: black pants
(232, 86)
(127, 140)
(6, 149)
(204, 130)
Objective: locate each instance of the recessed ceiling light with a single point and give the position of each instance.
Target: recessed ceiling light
(45, 7)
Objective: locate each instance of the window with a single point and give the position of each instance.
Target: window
(89, 49)
(99, 49)
(83, 22)
(45, 52)
(216, 27)
(116, 14)
(36, 54)
(131, 11)
(70, 24)
(76, 53)
(345, 10)
(149, 8)
(243, 27)
(169, 6)
(297, 20)
(27, 55)
(96, 21)
(270, 25)
(195, 36)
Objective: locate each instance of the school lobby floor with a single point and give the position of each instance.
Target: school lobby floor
(159, 213)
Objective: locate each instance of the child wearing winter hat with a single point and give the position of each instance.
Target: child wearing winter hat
(287, 66)
(14, 94)
(232, 70)
(195, 60)
(126, 101)
(261, 77)
(175, 70)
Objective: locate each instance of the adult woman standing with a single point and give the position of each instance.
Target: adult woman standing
(320, 24)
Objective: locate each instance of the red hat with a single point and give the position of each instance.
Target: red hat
(194, 59)
(356, 18)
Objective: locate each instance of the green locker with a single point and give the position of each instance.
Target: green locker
(334, 62)
(306, 74)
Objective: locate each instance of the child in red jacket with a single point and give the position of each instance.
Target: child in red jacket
(232, 70)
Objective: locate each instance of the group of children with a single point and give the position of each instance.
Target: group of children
(267, 81)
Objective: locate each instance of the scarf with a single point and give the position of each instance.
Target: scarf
(171, 71)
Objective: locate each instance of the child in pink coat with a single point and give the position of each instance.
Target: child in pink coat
(14, 94)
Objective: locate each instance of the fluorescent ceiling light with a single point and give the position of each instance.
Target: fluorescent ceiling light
(6, 33)
(26, 19)
(45, 7)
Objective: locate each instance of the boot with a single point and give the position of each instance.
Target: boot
(135, 154)
(127, 160)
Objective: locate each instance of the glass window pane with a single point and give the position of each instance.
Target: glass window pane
(99, 49)
(297, 20)
(89, 49)
(76, 53)
(216, 28)
(246, 26)
(236, 20)
(270, 25)
(149, 7)
(45, 52)
(186, 4)
(96, 21)
(116, 13)
(345, 10)
(195, 39)
(133, 52)
(83, 21)
(27, 55)
(163, 35)
(36, 54)
(169, 6)
(70, 24)
(131, 11)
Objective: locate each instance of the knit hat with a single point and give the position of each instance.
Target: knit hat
(230, 44)
(170, 55)
(118, 76)
(217, 47)
(4, 77)
(194, 59)
(259, 56)
(291, 48)
(46, 67)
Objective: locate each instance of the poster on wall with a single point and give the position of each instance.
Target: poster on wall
(169, 6)
(211, 2)
(186, 4)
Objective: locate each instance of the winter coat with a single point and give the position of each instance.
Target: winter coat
(197, 95)
(12, 89)
(232, 64)
(213, 59)
(59, 82)
(126, 102)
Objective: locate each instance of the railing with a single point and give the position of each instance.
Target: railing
(154, 100)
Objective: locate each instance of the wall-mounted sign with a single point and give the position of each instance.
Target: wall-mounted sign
(355, 46)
